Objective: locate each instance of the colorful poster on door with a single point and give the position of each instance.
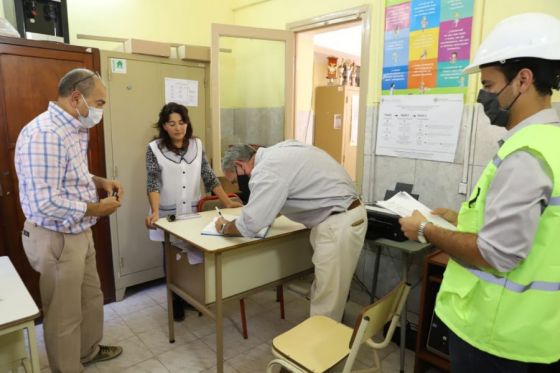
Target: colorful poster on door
(426, 46)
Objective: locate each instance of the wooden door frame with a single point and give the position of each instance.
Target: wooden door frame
(361, 13)
(219, 30)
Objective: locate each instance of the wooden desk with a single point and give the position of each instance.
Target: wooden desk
(406, 248)
(18, 308)
(233, 267)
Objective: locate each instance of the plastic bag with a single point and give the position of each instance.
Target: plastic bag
(6, 29)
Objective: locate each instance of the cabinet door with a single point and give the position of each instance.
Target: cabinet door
(29, 80)
(329, 118)
(135, 99)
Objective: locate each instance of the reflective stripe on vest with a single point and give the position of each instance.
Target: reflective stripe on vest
(513, 286)
(553, 201)
(497, 161)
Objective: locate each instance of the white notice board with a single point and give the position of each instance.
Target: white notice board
(419, 126)
(181, 91)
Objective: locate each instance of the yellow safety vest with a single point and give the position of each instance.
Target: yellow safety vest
(514, 315)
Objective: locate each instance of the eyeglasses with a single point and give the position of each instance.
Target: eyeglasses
(173, 124)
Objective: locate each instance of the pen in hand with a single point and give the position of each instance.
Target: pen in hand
(219, 212)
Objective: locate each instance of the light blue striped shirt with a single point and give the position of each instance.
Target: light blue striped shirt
(52, 167)
(300, 181)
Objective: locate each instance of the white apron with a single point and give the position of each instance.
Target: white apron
(180, 181)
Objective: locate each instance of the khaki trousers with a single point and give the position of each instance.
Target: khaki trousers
(337, 244)
(70, 293)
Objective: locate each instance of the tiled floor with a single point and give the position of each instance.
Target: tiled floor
(139, 325)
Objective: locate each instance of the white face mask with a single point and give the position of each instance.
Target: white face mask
(94, 116)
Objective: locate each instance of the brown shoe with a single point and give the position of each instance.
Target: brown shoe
(105, 353)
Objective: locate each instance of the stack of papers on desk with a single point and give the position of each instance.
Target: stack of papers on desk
(210, 229)
(403, 204)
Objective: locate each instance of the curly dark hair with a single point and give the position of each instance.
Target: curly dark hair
(164, 114)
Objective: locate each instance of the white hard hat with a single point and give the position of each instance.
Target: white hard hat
(534, 35)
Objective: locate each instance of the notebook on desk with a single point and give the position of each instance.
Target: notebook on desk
(210, 229)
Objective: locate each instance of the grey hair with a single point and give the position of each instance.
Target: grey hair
(81, 80)
(238, 152)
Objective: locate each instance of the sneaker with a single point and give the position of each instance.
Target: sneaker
(105, 353)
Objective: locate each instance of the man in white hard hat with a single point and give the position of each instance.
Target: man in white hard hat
(500, 296)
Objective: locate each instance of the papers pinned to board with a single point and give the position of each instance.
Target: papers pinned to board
(403, 204)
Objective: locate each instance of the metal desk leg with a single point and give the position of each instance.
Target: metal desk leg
(219, 315)
(375, 273)
(404, 276)
(167, 257)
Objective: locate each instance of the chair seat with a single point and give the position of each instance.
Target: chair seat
(316, 344)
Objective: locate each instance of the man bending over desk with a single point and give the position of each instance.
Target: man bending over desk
(306, 185)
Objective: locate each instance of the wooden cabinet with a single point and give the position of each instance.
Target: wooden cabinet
(336, 124)
(136, 95)
(29, 75)
(434, 266)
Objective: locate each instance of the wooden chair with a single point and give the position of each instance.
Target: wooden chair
(319, 343)
(209, 203)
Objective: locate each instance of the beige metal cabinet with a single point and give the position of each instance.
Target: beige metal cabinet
(136, 93)
(336, 124)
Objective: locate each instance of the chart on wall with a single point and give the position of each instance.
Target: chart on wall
(419, 126)
(427, 46)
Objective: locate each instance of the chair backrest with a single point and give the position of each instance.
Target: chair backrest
(210, 202)
(373, 318)
(376, 315)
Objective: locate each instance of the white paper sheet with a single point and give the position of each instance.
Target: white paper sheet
(194, 256)
(210, 229)
(419, 126)
(354, 122)
(181, 91)
(403, 204)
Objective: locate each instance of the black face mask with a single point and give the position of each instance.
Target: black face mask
(498, 116)
(243, 184)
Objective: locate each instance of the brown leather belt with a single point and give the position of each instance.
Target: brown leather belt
(355, 203)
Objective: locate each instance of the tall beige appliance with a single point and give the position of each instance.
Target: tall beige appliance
(136, 92)
(336, 124)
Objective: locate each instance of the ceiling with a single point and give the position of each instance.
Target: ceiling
(346, 40)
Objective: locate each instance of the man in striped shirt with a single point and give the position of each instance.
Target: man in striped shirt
(59, 199)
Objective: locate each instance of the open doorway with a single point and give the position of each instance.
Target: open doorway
(330, 90)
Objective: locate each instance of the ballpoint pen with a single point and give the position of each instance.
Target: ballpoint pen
(219, 212)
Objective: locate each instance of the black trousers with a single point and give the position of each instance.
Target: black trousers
(467, 359)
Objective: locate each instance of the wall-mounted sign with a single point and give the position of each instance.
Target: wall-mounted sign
(427, 46)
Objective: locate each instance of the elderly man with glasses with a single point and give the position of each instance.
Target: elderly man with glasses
(59, 199)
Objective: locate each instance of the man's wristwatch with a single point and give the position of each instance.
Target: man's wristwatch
(421, 229)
